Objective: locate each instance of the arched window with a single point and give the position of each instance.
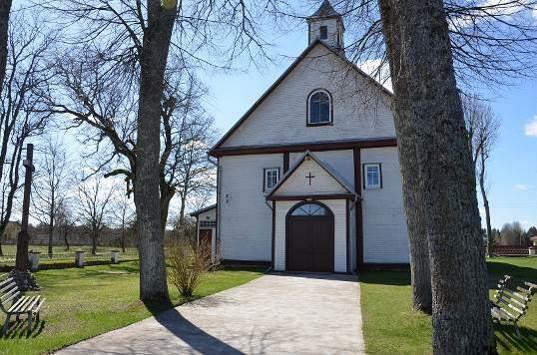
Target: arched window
(310, 209)
(319, 107)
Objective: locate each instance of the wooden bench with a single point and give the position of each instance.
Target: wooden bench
(13, 303)
(511, 303)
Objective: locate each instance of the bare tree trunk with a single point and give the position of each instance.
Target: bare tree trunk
(123, 232)
(182, 210)
(5, 10)
(51, 227)
(166, 195)
(50, 236)
(417, 232)
(3, 226)
(433, 145)
(156, 43)
(485, 203)
(94, 236)
(123, 240)
(23, 239)
(65, 232)
(419, 251)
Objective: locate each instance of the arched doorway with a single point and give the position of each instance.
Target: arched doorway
(310, 238)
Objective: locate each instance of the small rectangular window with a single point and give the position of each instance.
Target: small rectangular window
(324, 32)
(271, 176)
(372, 176)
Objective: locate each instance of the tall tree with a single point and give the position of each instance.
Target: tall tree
(21, 103)
(482, 127)
(125, 216)
(5, 12)
(65, 221)
(491, 42)
(94, 202)
(433, 145)
(101, 99)
(143, 34)
(51, 185)
(154, 54)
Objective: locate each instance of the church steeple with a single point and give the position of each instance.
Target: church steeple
(326, 24)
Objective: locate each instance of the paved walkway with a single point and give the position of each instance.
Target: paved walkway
(277, 313)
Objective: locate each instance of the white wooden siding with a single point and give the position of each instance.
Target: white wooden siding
(342, 161)
(332, 31)
(360, 110)
(246, 219)
(385, 231)
(298, 184)
(209, 215)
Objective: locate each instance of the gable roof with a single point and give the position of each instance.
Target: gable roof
(282, 77)
(325, 11)
(202, 210)
(333, 173)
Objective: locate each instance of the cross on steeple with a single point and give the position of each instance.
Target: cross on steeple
(309, 176)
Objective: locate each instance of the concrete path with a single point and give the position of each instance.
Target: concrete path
(277, 313)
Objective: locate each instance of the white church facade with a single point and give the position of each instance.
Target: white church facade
(309, 178)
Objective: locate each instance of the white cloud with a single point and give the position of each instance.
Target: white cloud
(523, 187)
(500, 9)
(526, 224)
(378, 71)
(531, 128)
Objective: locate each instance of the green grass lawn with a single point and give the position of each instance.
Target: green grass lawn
(392, 327)
(82, 303)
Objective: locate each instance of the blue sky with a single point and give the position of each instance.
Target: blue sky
(512, 178)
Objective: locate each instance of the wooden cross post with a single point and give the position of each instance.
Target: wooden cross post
(23, 240)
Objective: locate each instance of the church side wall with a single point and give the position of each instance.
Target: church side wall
(385, 231)
(245, 217)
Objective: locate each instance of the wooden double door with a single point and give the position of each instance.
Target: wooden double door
(206, 239)
(310, 239)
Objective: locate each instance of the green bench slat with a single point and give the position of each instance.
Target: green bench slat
(5, 288)
(36, 309)
(12, 297)
(9, 291)
(7, 296)
(5, 282)
(23, 304)
(16, 304)
(511, 305)
(33, 303)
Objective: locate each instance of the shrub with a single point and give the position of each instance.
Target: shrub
(188, 264)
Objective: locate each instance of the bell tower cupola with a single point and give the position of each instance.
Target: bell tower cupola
(326, 25)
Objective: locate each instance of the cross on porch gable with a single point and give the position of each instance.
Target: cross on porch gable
(309, 177)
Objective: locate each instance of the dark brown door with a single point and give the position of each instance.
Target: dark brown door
(205, 240)
(310, 239)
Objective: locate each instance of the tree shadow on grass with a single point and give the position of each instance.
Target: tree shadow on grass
(495, 272)
(195, 337)
(499, 269)
(385, 277)
(507, 338)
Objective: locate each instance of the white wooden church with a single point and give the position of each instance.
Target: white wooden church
(309, 177)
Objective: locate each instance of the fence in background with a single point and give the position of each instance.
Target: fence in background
(67, 259)
(510, 250)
